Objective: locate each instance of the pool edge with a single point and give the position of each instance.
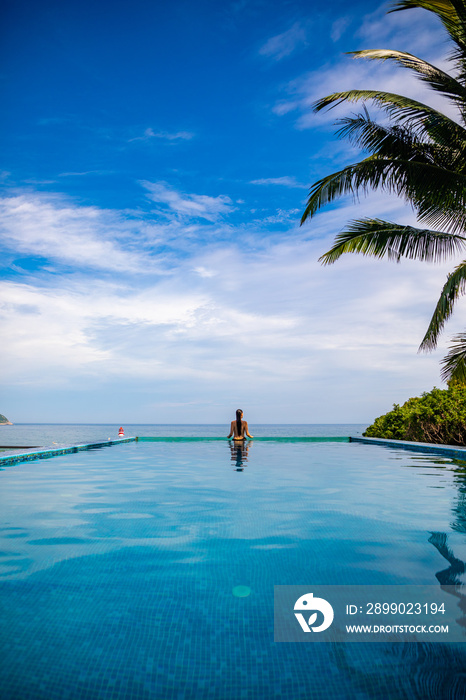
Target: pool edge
(450, 450)
(55, 452)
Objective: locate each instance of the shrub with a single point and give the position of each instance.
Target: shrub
(437, 416)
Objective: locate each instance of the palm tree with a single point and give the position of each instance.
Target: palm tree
(420, 156)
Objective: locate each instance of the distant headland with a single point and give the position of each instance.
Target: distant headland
(4, 420)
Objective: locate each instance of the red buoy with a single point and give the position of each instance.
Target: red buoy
(121, 433)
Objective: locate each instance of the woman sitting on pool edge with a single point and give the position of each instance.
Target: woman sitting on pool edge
(239, 427)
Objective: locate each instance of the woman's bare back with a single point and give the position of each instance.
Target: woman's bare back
(234, 431)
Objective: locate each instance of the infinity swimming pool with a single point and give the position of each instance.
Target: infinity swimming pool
(147, 570)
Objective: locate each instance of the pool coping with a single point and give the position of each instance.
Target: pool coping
(55, 451)
(450, 450)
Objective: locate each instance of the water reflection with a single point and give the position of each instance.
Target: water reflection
(452, 576)
(239, 453)
(459, 509)
(430, 671)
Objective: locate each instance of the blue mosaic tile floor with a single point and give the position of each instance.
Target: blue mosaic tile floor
(118, 569)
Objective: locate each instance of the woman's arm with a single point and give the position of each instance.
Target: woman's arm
(246, 430)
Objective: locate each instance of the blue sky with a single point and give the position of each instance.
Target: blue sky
(155, 163)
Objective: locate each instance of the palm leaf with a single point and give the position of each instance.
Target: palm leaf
(452, 14)
(420, 117)
(454, 287)
(435, 77)
(453, 365)
(400, 142)
(443, 8)
(436, 193)
(391, 141)
(421, 157)
(379, 239)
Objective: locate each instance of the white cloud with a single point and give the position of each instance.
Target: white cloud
(191, 205)
(386, 31)
(353, 74)
(274, 314)
(286, 181)
(85, 173)
(204, 272)
(166, 135)
(339, 27)
(257, 321)
(277, 47)
(87, 327)
(176, 136)
(395, 29)
(96, 329)
(64, 232)
(52, 227)
(281, 216)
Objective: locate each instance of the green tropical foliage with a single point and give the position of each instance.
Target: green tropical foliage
(438, 417)
(420, 156)
(3, 419)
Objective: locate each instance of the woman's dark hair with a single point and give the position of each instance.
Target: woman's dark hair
(239, 424)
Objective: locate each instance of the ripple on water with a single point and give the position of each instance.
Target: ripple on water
(61, 540)
(130, 516)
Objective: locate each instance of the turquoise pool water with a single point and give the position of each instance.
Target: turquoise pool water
(120, 568)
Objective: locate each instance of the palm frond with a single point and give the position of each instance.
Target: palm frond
(390, 141)
(422, 120)
(421, 157)
(454, 287)
(420, 117)
(400, 142)
(390, 100)
(452, 14)
(453, 365)
(443, 8)
(379, 239)
(435, 77)
(435, 193)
